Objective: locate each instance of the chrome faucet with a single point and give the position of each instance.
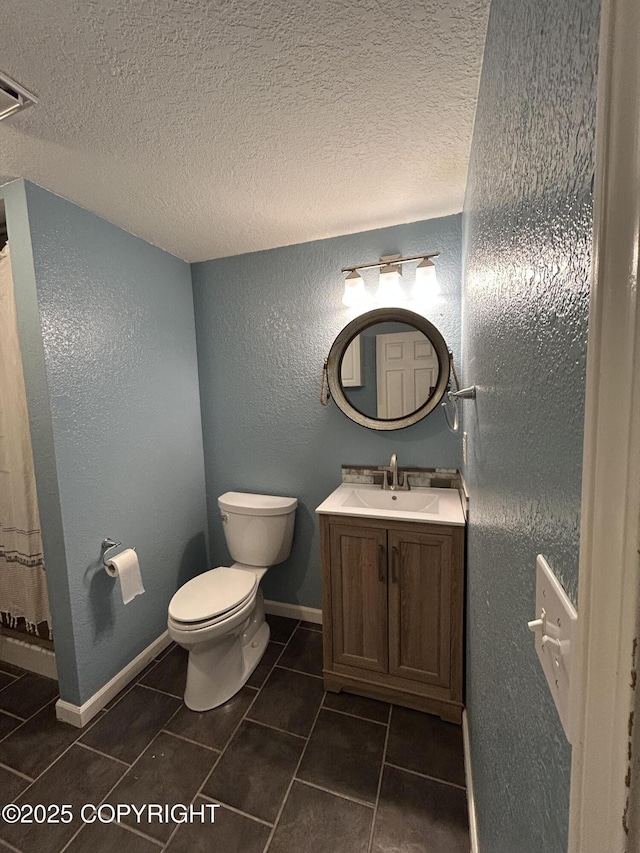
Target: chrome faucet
(397, 484)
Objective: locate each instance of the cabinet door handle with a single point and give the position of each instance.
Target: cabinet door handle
(381, 563)
(395, 562)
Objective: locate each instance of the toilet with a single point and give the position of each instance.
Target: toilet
(219, 615)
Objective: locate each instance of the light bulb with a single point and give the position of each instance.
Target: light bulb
(426, 286)
(354, 292)
(390, 292)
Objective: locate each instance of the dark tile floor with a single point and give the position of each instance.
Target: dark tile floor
(292, 767)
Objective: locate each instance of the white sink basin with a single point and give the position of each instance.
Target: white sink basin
(434, 506)
(419, 500)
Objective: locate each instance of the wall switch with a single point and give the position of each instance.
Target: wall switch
(555, 629)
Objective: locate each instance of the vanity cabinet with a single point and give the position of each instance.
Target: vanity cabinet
(393, 611)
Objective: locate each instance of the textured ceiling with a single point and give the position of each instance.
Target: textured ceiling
(215, 128)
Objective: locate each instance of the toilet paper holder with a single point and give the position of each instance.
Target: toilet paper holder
(108, 545)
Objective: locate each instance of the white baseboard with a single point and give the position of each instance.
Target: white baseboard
(471, 803)
(28, 656)
(80, 715)
(294, 611)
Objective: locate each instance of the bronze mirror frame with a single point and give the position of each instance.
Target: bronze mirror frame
(360, 324)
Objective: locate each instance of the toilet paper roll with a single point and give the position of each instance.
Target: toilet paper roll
(126, 567)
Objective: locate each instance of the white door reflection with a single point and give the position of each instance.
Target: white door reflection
(406, 372)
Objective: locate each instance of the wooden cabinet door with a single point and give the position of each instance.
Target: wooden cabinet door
(358, 557)
(420, 589)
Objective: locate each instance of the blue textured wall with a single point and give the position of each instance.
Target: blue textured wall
(527, 247)
(264, 325)
(119, 348)
(33, 364)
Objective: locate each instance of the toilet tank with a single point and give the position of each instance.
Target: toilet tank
(258, 528)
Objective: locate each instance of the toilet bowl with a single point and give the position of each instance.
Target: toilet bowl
(219, 615)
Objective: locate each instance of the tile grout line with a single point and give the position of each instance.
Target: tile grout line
(251, 704)
(16, 716)
(10, 732)
(237, 810)
(334, 793)
(42, 707)
(375, 808)
(11, 675)
(355, 716)
(192, 801)
(275, 663)
(13, 678)
(179, 737)
(165, 652)
(293, 778)
(133, 831)
(23, 720)
(19, 773)
(188, 740)
(117, 782)
(273, 728)
(244, 717)
(117, 823)
(249, 707)
(103, 754)
(155, 690)
(83, 825)
(129, 687)
(293, 630)
(31, 716)
(299, 671)
(11, 847)
(425, 776)
(48, 767)
(124, 692)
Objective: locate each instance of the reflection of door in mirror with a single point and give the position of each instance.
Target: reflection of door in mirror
(407, 372)
(351, 371)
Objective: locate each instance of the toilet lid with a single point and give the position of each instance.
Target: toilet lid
(211, 594)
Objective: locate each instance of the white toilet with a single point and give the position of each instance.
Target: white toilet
(219, 615)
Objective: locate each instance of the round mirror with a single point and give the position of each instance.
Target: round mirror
(388, 368)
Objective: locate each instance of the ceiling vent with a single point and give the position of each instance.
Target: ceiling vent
(13, 97)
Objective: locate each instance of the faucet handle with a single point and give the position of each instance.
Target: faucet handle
(403, 482)
(386, 471)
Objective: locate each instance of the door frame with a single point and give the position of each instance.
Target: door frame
(602, 814)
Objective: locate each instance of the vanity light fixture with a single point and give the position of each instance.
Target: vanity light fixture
(354, 292)
(390, 292)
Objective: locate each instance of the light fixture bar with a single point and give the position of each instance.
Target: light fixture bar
(390, 259)
(13, 96)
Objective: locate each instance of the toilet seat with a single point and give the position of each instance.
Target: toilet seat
(212, 597)
(224, 618)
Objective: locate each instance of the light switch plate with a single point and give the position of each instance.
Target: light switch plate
(555, 630)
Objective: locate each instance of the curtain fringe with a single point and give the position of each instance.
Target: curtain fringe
(10, 621)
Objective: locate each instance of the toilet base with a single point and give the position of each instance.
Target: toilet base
(217, 670)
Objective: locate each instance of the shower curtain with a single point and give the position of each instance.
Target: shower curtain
(23, 586)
